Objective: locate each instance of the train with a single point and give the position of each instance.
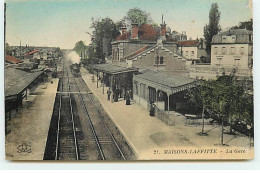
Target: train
(75, 70)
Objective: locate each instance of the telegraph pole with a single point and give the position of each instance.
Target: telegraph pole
(20, 48)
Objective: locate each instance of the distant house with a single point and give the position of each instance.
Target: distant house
(192, 49)
(12, 60)
(31, 55)
(231, 52)
(233, 48)
(179, 36)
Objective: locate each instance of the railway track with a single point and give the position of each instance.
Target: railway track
(67, 144)
(80, 129)
(106, 143)
(62, 143)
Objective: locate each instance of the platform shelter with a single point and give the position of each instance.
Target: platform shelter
(118, 78)
(167, 92)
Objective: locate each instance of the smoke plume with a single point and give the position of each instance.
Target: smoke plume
(73, 57)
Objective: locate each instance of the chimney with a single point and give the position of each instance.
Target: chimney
(163, 31)
(134, 33)
(123, 29)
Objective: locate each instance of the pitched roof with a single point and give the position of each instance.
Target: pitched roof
(236, 32)
(112, 69)
(32, 52)
(137, 52)
(124, 36)
(151, 48)
(146, 32)
(12, 59)
(189, 43)
(242, 36)
(171, 81)
(17, 80)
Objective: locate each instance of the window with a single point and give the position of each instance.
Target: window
(242, 50)
(161, 60)
(237, 62)
(233, 50)
(219, 61)
(192, 53)
(233, 38)
(223, 50)
(187, 53)
(216, 50)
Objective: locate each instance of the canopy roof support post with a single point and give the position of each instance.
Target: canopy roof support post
(111, 86)
(103, 84)
(168, 103)
(26, 94)
(97, 78)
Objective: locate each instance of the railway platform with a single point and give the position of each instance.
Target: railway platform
(29, 128)
(149, 137)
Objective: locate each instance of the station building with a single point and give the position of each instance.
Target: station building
(18, 84)
(166, 91)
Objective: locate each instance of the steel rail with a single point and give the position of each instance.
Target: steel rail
(58, 125)
(91, 124)
(58, 129)
(73, 123)
(99, 114)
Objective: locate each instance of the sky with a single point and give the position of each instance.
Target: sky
(61, 23)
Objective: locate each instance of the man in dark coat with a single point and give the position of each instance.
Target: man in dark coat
(152, 109)
(127, 98)
(108, 94)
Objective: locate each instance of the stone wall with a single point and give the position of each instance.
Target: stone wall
(172, 64)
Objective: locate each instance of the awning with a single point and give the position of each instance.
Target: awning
(164, 82)
(112, 69)
(16, 81)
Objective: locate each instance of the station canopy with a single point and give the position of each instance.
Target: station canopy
(164, 82)
(112, 69)
(16, 81)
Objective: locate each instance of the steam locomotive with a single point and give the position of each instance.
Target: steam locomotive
(75, 70)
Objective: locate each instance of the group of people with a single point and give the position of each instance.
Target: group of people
(118, 94)
(127, 97)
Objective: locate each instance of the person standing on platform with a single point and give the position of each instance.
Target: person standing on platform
(128, 98)
(152, 109)
(108, 94)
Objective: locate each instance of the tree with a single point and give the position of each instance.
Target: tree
(245, 25)
(200, 98)
(8, 50)
(136, 15)
(79, 47)
(213, 27)
(105, 30)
